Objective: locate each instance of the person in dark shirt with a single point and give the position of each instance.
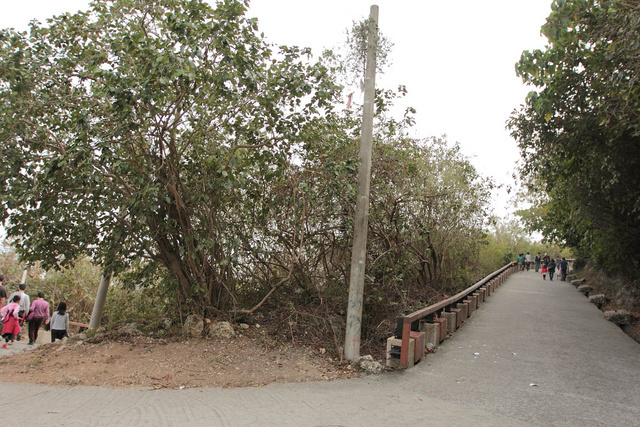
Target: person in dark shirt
(564, 267)
(3, 293)
(551, 268)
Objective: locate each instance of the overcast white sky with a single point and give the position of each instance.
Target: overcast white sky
(455, 57)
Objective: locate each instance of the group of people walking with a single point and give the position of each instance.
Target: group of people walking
(545, 265)
(18, 308)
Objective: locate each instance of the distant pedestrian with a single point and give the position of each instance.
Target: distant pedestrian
(537, 261)
(527, 260)
(3, 293)
(544, 270)
(60, 322)
(38, 313)
(11, 315)
(520, 262)
(551, 267)
(25, 301)
(564, 267)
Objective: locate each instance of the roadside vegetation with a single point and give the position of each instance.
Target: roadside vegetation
(287, 316)
(167, 144)
(212, 174)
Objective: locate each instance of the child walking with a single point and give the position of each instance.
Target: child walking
(10, 314)
(60, 322)
(544, 270)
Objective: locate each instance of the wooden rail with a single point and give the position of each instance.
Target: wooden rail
(80, 325)
(416, 316)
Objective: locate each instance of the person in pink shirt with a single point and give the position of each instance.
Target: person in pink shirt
(10, 313)
(38, 313)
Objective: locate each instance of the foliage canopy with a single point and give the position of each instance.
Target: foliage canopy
(579, 131)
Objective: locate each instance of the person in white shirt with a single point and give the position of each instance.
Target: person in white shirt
(25, 301)
(60, 322)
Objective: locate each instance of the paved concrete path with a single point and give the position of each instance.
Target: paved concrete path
(20, 346)
(536, 353)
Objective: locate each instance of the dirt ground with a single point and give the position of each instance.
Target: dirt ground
(246, 360)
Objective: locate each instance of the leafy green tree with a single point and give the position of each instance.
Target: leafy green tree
(144, 130)
(579, 131)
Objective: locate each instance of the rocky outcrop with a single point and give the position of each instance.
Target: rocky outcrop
(368, 365)
(193, 325)
(585, 289)
(221, 330)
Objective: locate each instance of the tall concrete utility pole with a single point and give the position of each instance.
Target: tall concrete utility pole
(101, 299)
(360, 223)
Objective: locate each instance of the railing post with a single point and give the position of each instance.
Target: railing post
(404, 348)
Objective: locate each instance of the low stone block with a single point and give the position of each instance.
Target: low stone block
(394, 362)
(451, 320)
(463, 311)
(431, 332)
(458, 314)
(471, 307)
(478, 299)
(483, 294)
(619, 317)
(442, 332)
(474, 302)
(599, 300)
(420, 345)
(578, 282)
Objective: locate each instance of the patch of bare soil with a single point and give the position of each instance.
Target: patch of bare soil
(247, 360)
